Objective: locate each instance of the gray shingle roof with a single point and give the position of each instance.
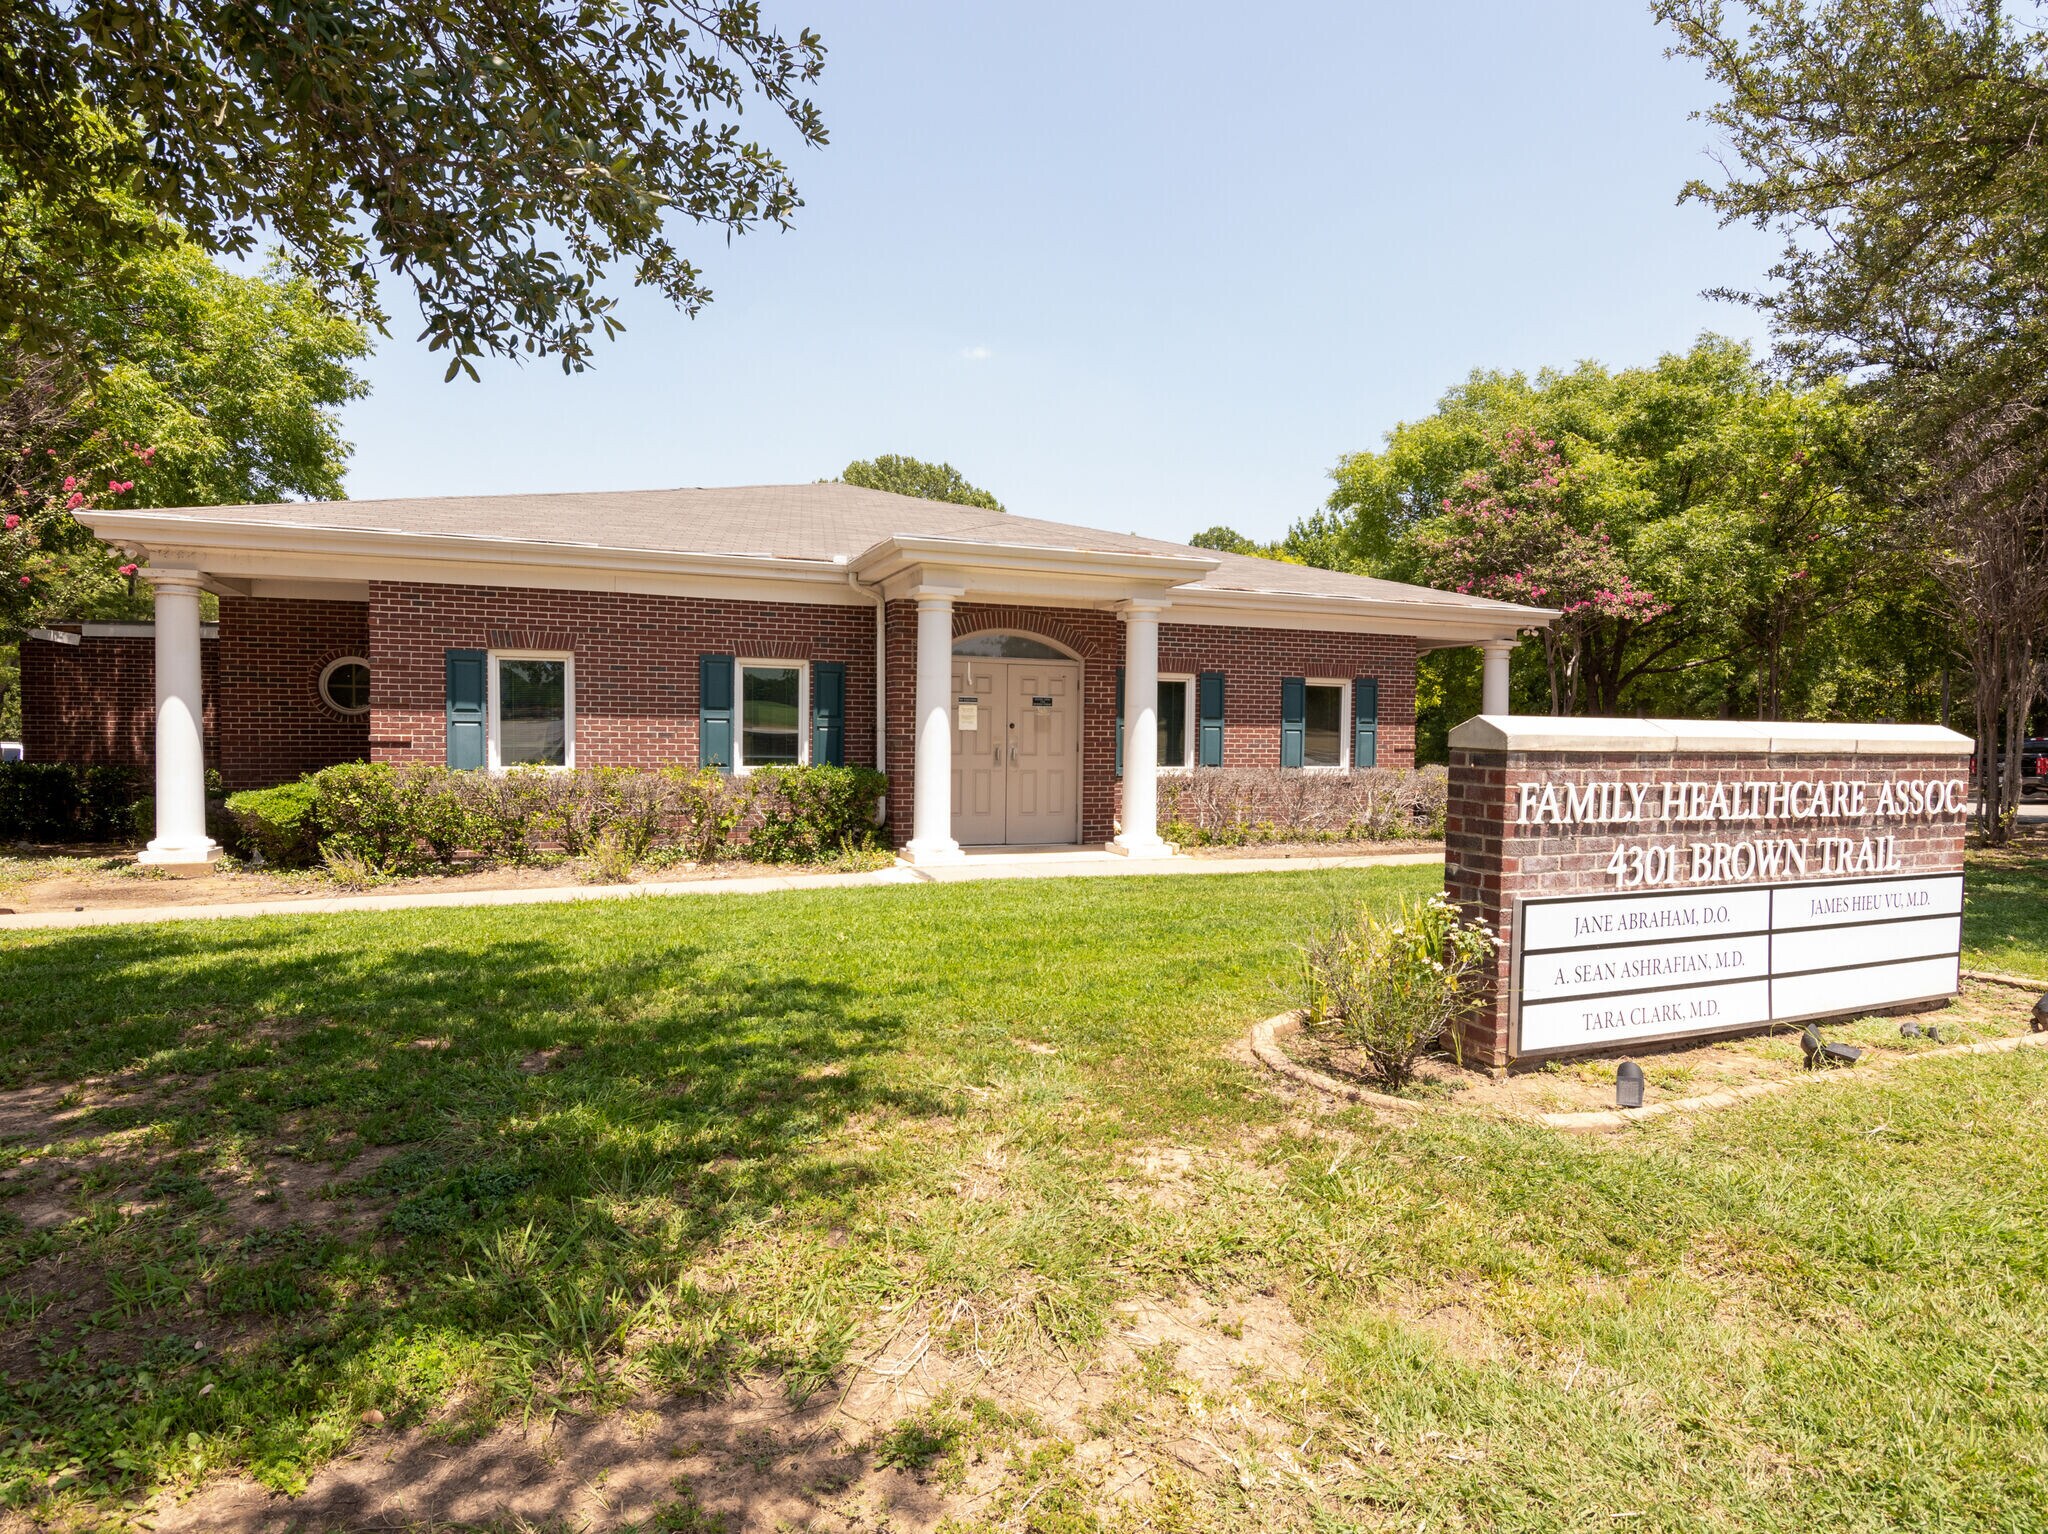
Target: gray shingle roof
(822, 521)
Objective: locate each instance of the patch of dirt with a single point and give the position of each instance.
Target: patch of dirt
(1174, 1385)
(752, 1459)
(1172, 1176)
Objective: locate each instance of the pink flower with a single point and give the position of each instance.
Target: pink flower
(119, 486)
(24, 580)
(71, 482)
(129, 569)
(77, 500)
(12, 522)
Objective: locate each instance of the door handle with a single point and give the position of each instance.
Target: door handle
(1013, 753)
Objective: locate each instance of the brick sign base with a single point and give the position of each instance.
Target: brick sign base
(1657, 880)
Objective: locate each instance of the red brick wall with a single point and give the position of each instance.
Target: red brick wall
(636, 662)
(274, 724)
(93, 704)
(1490, 861)
(1252, 660)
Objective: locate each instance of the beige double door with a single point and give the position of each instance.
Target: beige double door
(1016, 752)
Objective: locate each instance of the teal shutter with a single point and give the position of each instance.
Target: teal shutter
(1293, 719)
(468, 695)
(714, 712)
(1209, 700)
(1365, 722)
(1119, 721)
(828, 713)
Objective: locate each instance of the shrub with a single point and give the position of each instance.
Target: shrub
(709, 808)
(1392, 986)
(1233, 806)
(39, 801)
(611, 857)
(277, 823)
(806, 814)
(56, 802)
(370, 814)
(375, 818)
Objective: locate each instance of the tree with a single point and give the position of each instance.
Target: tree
(1754, 509)
(505, 159)
(911, 476)
(1507, 532)
(1896, 147)
(1228, 540)
(188, 385)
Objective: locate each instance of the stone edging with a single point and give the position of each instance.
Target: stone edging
(2017, 982)
(1266, 1047)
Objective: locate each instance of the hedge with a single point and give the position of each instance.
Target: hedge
(56, 802)
(1233, 806)
(405, 819)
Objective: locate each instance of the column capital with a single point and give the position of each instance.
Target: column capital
(1500, 646)
(173, 578)
(1141, 607)
(936, 598)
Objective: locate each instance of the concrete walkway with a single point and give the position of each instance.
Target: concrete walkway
(1001, 863)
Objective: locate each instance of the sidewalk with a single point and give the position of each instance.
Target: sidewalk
(1006, 863)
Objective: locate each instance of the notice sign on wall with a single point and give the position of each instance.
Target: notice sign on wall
(1594, 969)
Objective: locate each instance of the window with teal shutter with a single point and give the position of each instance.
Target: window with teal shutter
(1365, 722)
(828, 713)
(1209, 703)
(1118, 769)
(1293, 719)
(714, 712)
(468, 714)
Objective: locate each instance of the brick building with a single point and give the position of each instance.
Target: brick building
(1020, 681)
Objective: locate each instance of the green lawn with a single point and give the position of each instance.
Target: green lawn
(2006, 929)
(641, 1148)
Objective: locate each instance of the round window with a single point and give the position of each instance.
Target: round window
(345, 684)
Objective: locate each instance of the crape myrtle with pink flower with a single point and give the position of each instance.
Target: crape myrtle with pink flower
(1516, 531)
(49, 565)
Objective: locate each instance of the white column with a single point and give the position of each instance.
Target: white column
(931, 795)
(1140, 835)
(1493, 675)
(181, 840)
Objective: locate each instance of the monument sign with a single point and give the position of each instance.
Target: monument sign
(1663, 879)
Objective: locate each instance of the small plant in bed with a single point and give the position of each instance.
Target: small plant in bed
(1390, 985)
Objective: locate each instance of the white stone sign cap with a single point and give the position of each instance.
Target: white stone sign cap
(1542, 732)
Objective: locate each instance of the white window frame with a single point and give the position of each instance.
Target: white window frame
(1192, 731)
(740, 766)
(1343, 723)
(493, 691)
(335, 665)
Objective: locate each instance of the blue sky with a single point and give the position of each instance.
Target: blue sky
(1144, 266)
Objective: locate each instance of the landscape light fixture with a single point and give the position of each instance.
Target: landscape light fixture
(1628, 1085)
(1909, 1029)
(1819, 1054)
(2041, 1015)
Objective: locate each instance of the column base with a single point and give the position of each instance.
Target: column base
(195, 858)
(926, 854)
(1143, 847)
